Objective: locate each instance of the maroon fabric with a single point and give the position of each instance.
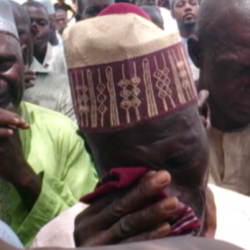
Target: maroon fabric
(184, 222)
(123, 8)
(119, 95)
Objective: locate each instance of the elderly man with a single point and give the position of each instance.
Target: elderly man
(124, 137)
(140, 115)
(40, 162)
(45, 88)
(223, 59)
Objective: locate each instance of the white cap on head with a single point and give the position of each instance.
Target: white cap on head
(7, 22)
(48, 5)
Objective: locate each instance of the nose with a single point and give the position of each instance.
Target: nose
(188, 7)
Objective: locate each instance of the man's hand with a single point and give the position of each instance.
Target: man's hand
(13, 166)
(115, 220)
(29, 77)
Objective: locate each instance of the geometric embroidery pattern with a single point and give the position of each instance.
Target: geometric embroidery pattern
(120, 94)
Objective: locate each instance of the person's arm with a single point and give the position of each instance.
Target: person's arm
(75, 177)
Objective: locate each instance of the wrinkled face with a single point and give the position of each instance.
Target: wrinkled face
(91, 8)
(225, 72)
(11, 72)
(61, 20)
(185, 12)
(40, 21)
(176, 143)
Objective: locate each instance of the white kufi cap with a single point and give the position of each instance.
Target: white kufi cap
(48, 5)
(7, 22)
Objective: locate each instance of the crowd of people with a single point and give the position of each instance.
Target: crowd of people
(124, 122)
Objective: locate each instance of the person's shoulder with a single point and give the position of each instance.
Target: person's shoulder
(34, 114)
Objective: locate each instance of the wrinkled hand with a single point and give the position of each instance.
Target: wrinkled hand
(120, 220)
(29, 77)
(13, 166)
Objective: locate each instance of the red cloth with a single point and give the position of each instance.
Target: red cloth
(123, 8)
(184, 222)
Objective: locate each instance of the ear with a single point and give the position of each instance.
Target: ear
(204, 108)
(194, 51)
(25, 56)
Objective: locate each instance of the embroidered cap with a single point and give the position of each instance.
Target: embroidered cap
(7, 22)
(124, 70)
(48, 5)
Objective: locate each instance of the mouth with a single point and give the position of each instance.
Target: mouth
(189, 17)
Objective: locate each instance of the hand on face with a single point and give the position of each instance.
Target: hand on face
(119, 220)
(11, 159)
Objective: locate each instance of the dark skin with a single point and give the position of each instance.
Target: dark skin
(154, 14)
(40, 21)
(90, 8)
(224, 65)
(185, 12)
(26, 33)
(61, 20)
(14, 168)
(161, 145)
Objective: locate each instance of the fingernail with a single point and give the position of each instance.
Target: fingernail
(17, 120)
(170, 203)
(165, 228)
(161, 177)
(10, 132)
(149, 174)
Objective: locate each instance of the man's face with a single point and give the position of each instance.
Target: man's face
(225, 70)
(185, 12)
(24, 31)
(61, 20)
(11, 72)
(40, 21)
(91, 8)
(176, 143)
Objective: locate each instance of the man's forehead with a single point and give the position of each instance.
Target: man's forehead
(38, 11)
(9, 45)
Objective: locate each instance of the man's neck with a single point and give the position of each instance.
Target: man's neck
(187, 31)
(40, 55)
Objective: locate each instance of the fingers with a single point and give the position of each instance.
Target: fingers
(5, 133)
(8, 122)
(160, 232)
(145, 220)
(134, 200)
(28, 85)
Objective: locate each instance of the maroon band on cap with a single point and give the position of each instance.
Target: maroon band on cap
(122, 94)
